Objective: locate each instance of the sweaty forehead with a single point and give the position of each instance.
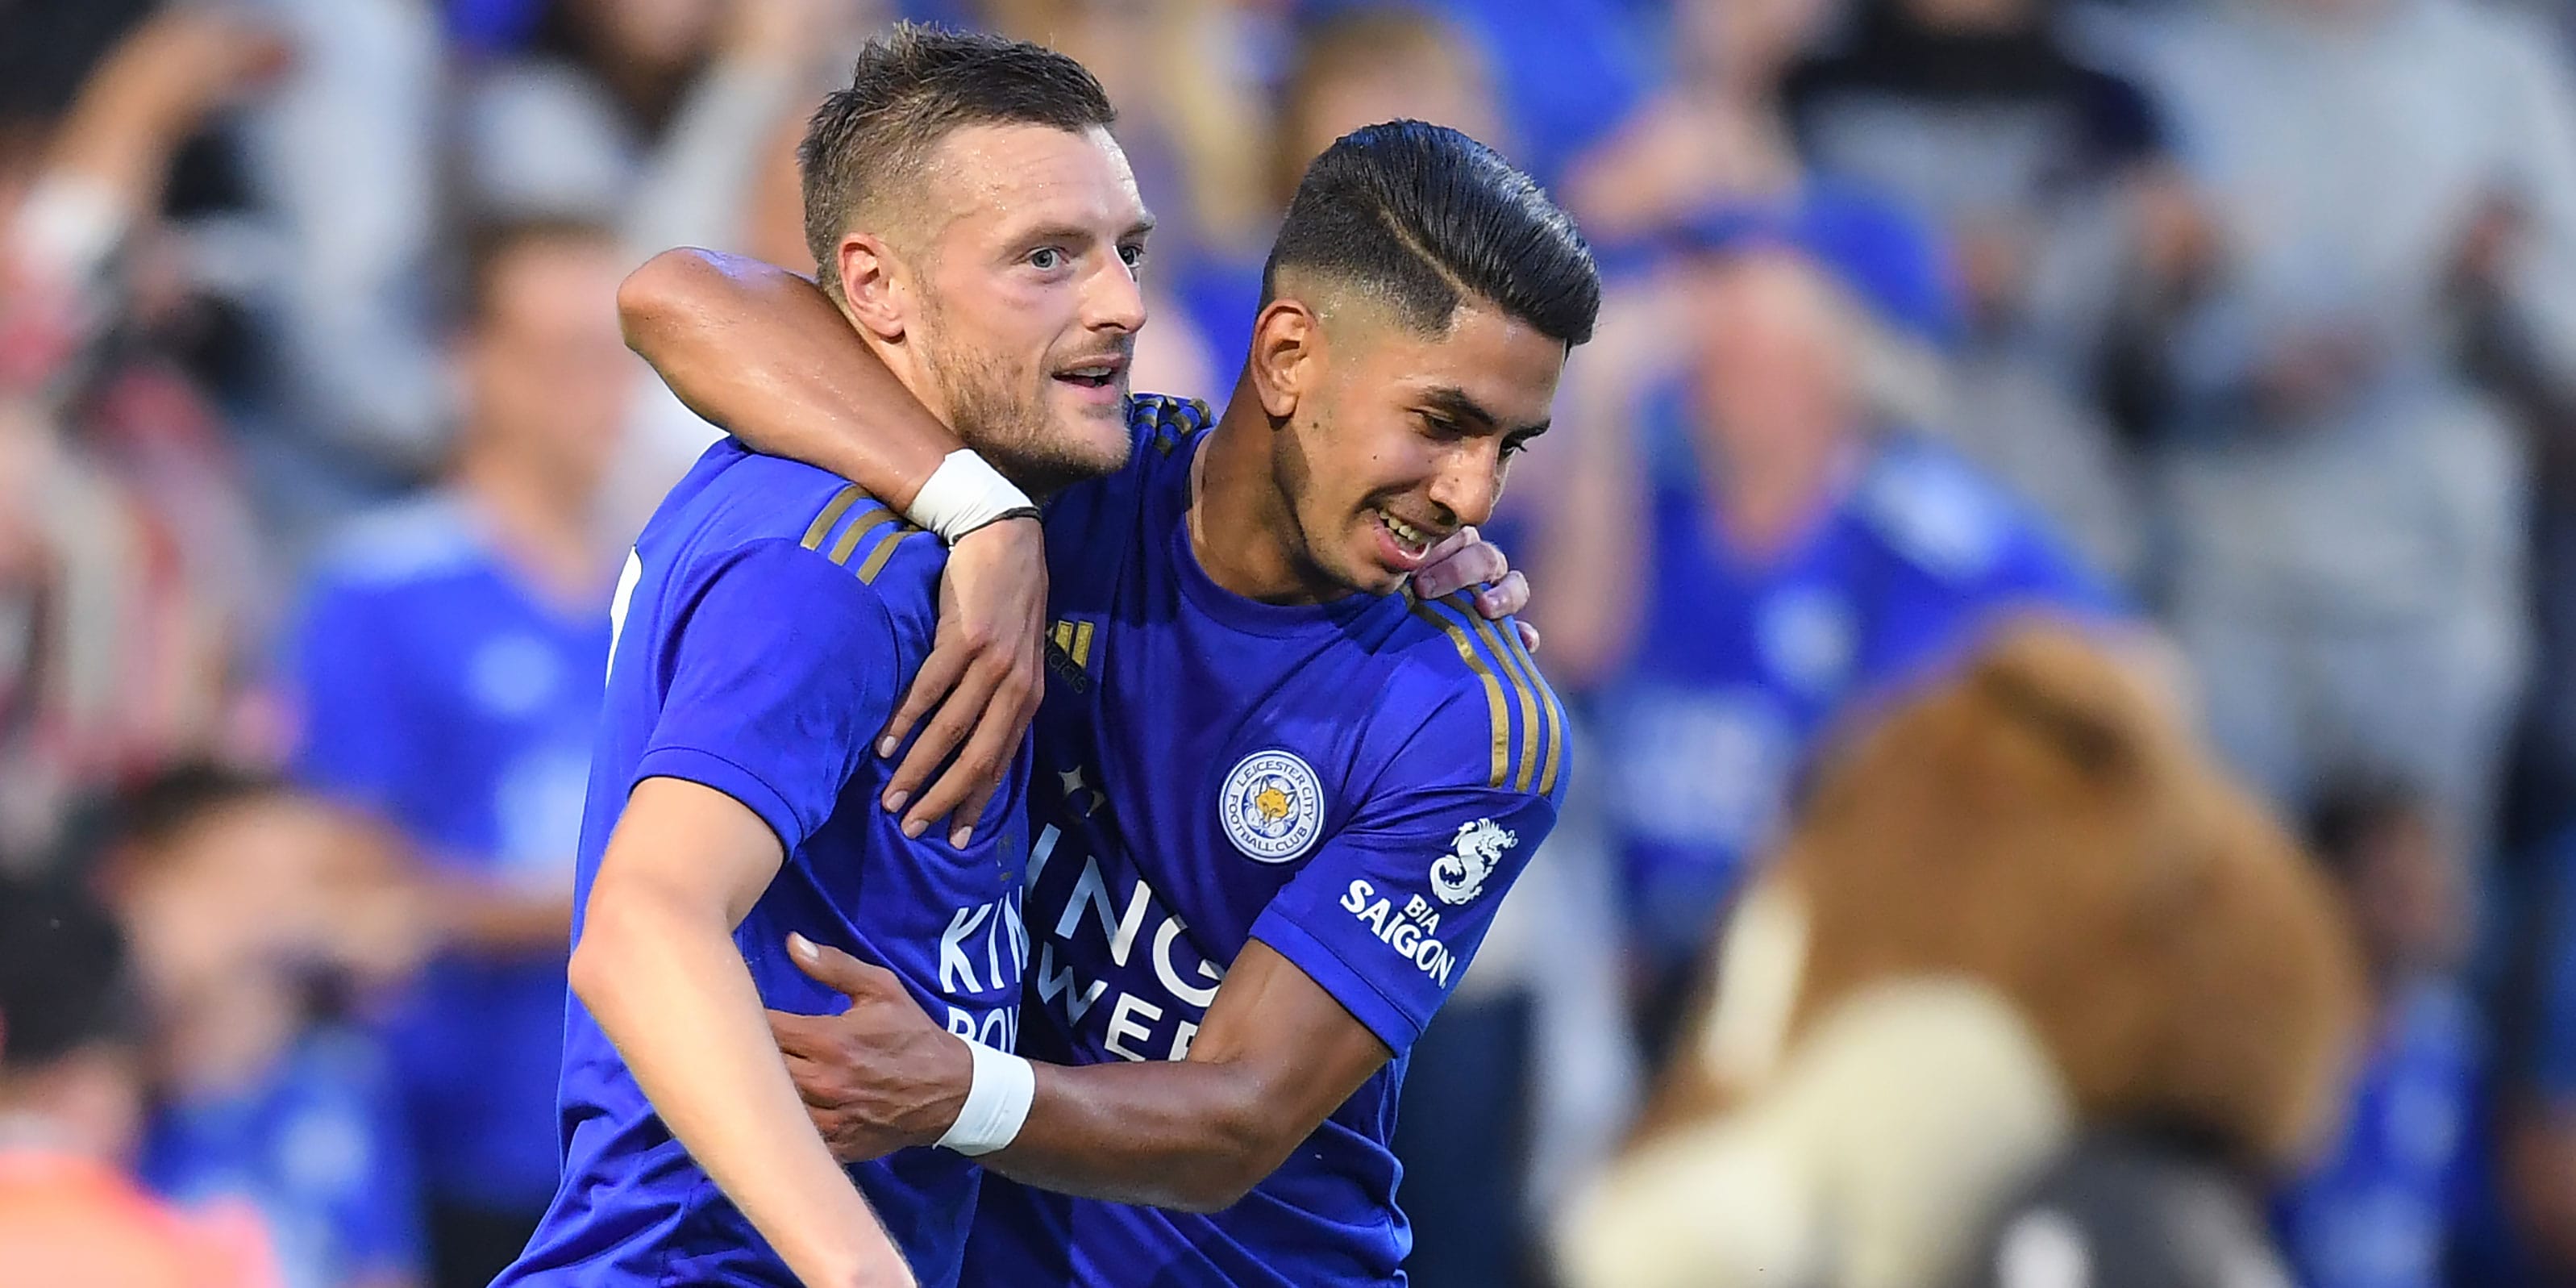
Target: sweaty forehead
(1008, 176)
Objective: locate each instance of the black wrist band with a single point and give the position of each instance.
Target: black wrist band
(1017, 512)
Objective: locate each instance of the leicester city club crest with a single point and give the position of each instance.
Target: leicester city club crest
(1272, 806)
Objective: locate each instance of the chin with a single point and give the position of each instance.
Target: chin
(1370, 579)
(1073, 450)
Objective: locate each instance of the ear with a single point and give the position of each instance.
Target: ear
(874, 284)
(1287, 356)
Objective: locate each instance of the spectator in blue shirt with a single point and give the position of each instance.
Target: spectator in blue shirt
(1757, 560)
(449, 666)
(238, 895)
(2378, 1208)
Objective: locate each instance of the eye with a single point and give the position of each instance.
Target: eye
(1046, 259)
(1514, 447)
(1132, 256)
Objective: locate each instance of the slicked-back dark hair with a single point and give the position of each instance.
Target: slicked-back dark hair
(1424, 217)
(911, 87)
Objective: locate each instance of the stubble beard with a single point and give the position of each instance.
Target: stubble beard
(999, 408)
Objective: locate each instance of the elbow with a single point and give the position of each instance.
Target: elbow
(603, 956)
(657, 292)
(1244, 1146)
(592, 970)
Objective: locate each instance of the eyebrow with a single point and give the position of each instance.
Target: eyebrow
(1076, 232)
(1453, 402)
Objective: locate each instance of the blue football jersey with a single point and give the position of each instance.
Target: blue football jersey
(765, 628)
(1741, 668)
(1356, 784)
(314, 1144)
(2376, 1211)
(443, 693)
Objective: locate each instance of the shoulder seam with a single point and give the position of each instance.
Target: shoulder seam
(1551, 709)
(1458, 639)
(1535, 759)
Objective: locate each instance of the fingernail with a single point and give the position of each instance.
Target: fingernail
(886, 746)
(915, 828)
(802, 947)
(958, 839)
(894, 800)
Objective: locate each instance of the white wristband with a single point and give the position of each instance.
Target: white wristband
(963, 494)
(997, 1102)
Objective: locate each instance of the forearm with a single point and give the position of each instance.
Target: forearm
(1591, 548)
(482, 917)
(668, 986)
(768, 356)
(119, 138)
(1172, 1134)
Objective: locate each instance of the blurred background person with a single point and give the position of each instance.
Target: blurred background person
(1786, 555)
(71, 1115)
(1715, 130)
(2345, 507)
(2378, 1209)
(132, 586)
(448, 671)
(2071, 229)
(254, 913)
(1354, 67)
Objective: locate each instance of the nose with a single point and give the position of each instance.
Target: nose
(1469, 479)
(1115, 302)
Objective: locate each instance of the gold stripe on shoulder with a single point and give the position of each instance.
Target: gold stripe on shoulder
(1520, 690)
(1466, 647)
(840, 553)
(884, 551)
(832, 511)
(1555, 713)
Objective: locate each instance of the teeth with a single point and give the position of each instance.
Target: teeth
(1406, 532)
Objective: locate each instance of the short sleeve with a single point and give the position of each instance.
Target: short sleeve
(782, 669)
(346, 697)
(1390, 911)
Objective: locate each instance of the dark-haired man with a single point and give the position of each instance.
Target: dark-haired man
(1276, 801)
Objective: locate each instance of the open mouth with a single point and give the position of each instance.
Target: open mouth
(1098, 374)
(1410, 540)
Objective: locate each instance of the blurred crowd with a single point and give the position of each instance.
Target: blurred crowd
(2249, 323)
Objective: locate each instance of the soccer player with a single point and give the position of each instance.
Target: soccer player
(1276, 800)
(984, 229)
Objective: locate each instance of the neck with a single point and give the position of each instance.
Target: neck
(1770, 497)
(542, 523)
(1242, 527)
